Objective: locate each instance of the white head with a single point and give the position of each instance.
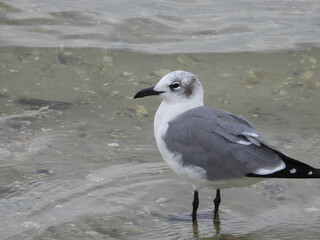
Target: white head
(176, 87)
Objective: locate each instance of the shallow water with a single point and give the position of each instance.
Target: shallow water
(161, 26)
(88, 167)
(78, 159)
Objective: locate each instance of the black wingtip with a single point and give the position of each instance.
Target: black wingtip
(293, 169)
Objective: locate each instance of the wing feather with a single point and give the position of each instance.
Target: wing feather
(225, 145)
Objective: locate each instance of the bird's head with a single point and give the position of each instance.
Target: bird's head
(176, 87)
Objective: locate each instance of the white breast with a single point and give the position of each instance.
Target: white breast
(193, 174)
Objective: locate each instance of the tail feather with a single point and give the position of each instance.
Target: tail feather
(293, 169)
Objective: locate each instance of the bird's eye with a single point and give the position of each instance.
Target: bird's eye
(175, 85)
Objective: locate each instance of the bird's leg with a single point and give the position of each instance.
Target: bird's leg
(195, 205)
(216, 201)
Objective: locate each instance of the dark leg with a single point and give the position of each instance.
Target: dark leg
(195, 205)
(216, 201)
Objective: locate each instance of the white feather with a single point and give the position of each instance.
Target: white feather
(266, 171)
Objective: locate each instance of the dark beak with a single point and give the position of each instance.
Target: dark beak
(146, 92)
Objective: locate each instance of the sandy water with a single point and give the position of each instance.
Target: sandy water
(87, 166)
(78, 159)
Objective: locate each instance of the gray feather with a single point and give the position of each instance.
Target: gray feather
(209, 139)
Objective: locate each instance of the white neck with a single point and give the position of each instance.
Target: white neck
(168, 111)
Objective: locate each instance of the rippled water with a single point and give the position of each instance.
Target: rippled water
(161, 26)
(91, 170)
(77, 153)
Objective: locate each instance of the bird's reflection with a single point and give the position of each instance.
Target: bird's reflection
(195, 228)
(202, 220)
(216, 225)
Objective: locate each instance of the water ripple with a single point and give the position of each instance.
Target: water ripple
(212, 26)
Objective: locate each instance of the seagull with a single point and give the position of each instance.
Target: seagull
(213, 148)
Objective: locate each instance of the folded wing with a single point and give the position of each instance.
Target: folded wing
(227, 146)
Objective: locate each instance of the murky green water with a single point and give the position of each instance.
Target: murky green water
(87, 167)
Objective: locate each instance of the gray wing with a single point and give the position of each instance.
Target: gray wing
(225, 145)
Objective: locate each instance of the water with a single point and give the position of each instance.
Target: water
(162, 26)
(77, 153)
